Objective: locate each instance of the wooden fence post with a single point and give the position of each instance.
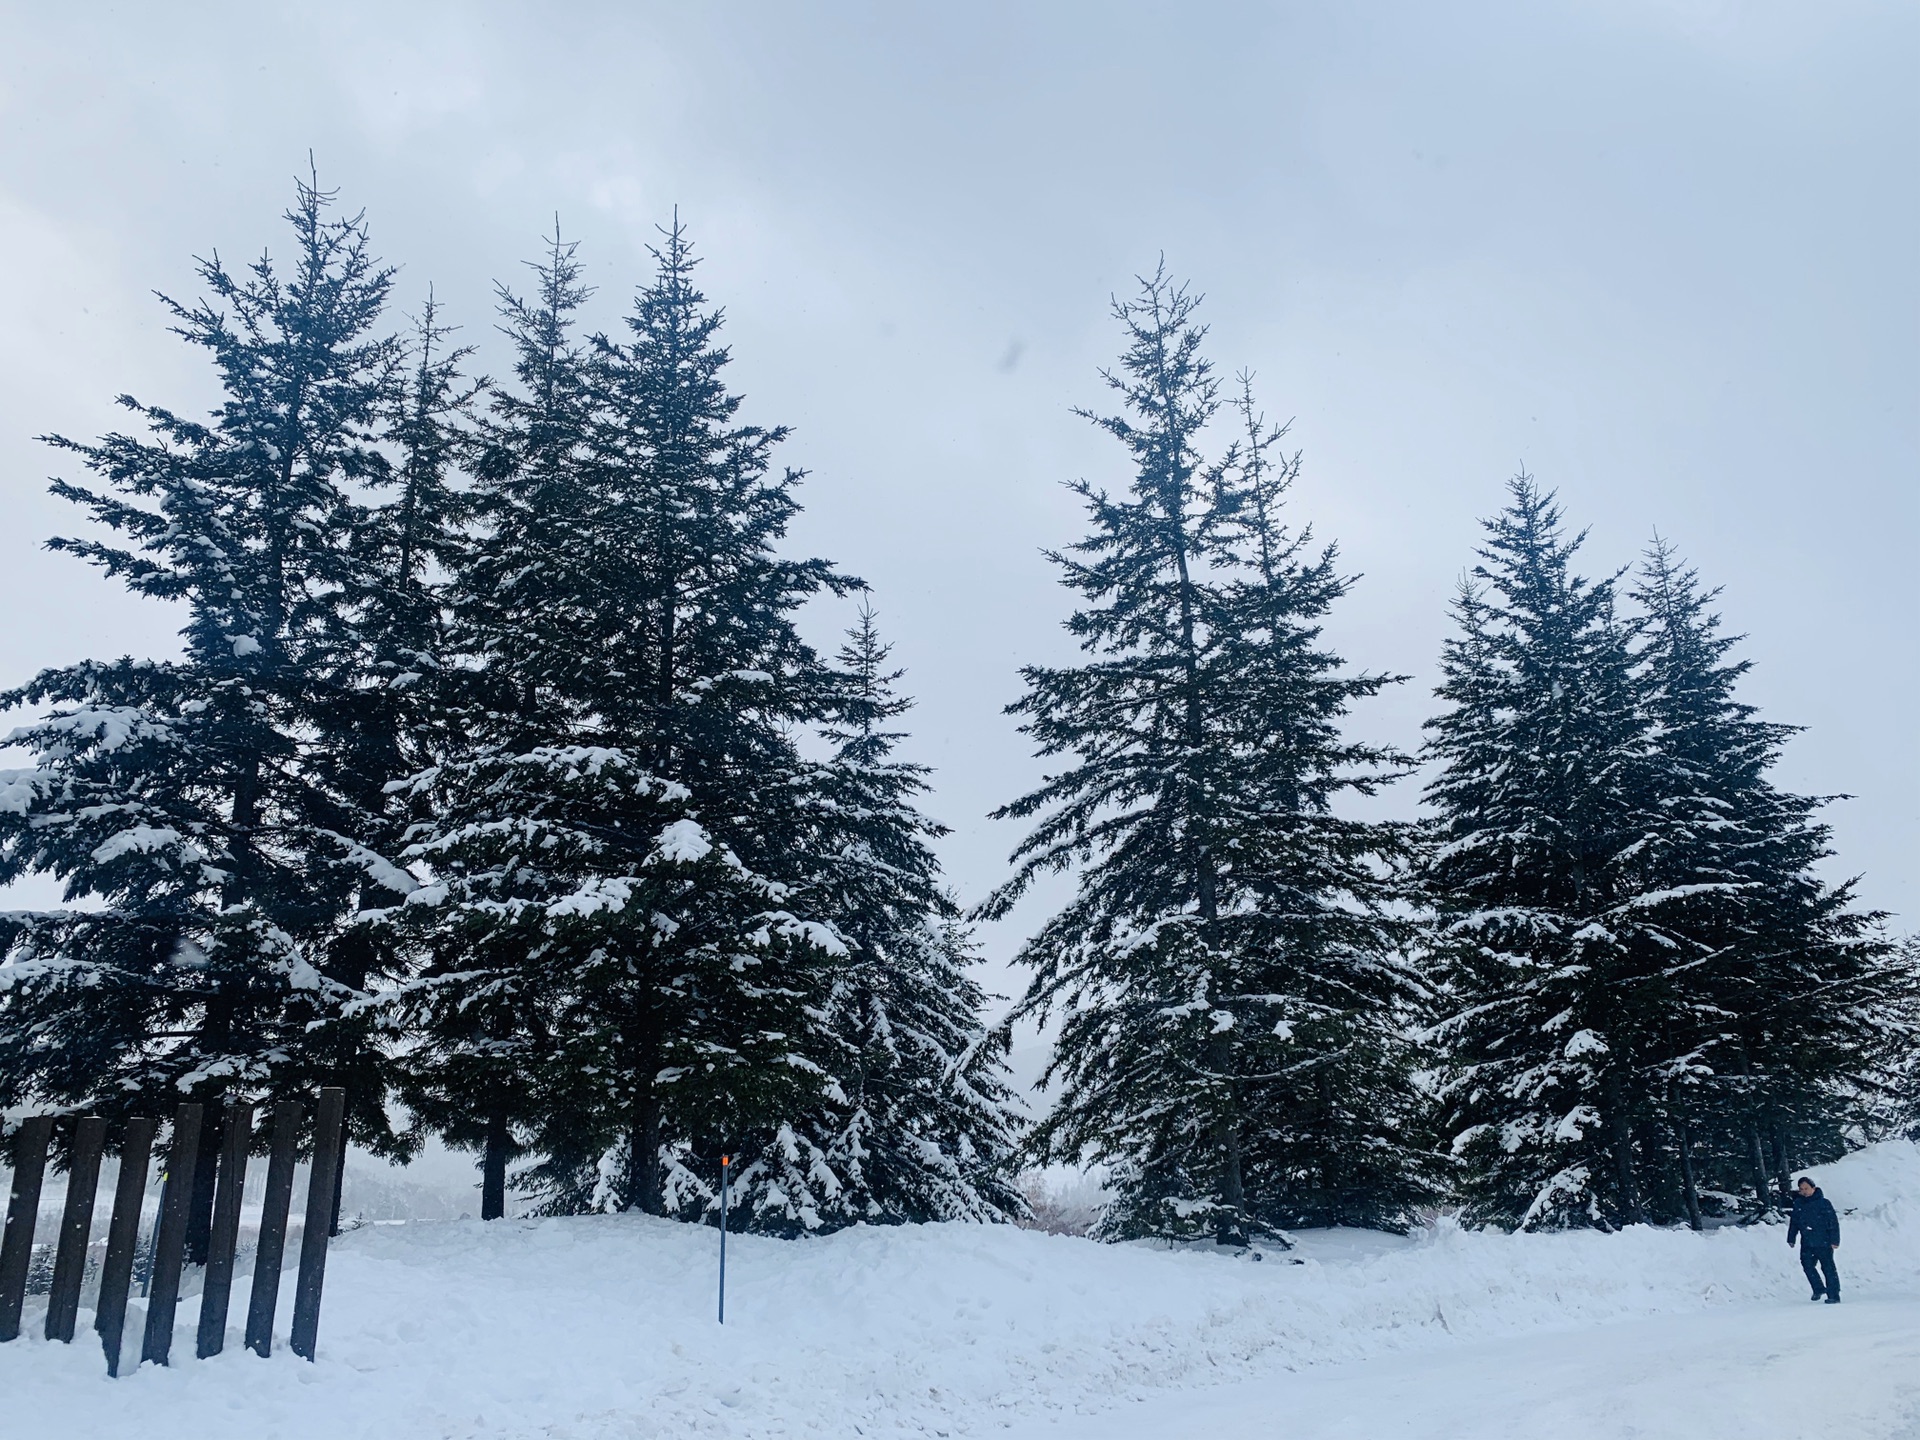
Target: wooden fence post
(313, 1236)
(225, 1235)
(76, 1224)
(163, 1292)
(23, 1211)
(265, 1297)
(123, 1238)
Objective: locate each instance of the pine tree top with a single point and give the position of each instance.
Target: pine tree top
(215, 510)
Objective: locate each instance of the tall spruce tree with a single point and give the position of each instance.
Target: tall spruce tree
(380, 711)
(1655, 994)
(1233, 1001)
(618, 843)
(1794, 997)
(384, 712)
(928, 1127)
(480, 1014)
(207, 858)
(1543, 802)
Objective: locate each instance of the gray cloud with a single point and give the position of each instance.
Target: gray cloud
(1661, 253)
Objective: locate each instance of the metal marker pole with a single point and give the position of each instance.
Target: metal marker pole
(725, 1170)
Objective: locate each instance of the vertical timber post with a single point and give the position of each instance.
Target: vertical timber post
(726, 1166)
(170, 1241)
(327, 1130)
(224, 1235)
(23, 1212)
(76, 1224)
(123, 1238)
(153, 1235)
(206, 1175)
(265, 1296)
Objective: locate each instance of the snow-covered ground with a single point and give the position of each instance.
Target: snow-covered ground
(604, 1327)
(1756, 1370)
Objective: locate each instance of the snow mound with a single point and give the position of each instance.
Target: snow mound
(1874, 1182)
(603, 1326)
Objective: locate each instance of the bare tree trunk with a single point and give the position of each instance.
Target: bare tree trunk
(1782, 1166)
(1759, 1161)
(643, 1136)
(643, 1162)
(1754, 1152)
(493, 1169)
(1231, 1226)
(1690, 1192)
(1631, 1209)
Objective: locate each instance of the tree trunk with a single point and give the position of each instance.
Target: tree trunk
(1631, 1210)
(1759, 1165)
(493, 1169)
(1690, 1192)
(1231, 1226)
(643, 1134)
(643, 1160)
(245, 821)
(1333, 1178)
(1782, 1165)
(1755, 1155)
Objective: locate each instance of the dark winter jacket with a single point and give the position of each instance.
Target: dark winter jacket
(1814, 1220)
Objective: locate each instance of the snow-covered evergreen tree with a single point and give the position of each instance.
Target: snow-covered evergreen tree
(596, 947)
(1654, 994)
(618, 840)
(1543, 802)
(929, 1128)
(1233, 1001)
(1791, 996)
(209, 861)
(409, 537)
(379, 710)
(480, 1015)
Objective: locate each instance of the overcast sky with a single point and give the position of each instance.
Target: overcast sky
(1662, 254)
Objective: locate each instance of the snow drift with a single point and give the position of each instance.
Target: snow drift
(604, 1326)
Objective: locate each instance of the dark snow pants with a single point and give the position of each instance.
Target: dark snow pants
(1817, 1258)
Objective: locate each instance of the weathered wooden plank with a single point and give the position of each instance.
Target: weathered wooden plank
(123, 1239)
(206, 1175)
(328, 1127)
(225, 1236)
(265, 1297)
(170, 1246)
(23, 1212)
(76, 1224)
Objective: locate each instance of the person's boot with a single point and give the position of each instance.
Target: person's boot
(1818, 1296)
(1833, 1299)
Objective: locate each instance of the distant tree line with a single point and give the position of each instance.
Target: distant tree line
(495, 783)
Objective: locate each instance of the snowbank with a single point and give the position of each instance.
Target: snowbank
(603, 1326)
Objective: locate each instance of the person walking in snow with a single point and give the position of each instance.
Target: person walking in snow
(1818, 1226)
